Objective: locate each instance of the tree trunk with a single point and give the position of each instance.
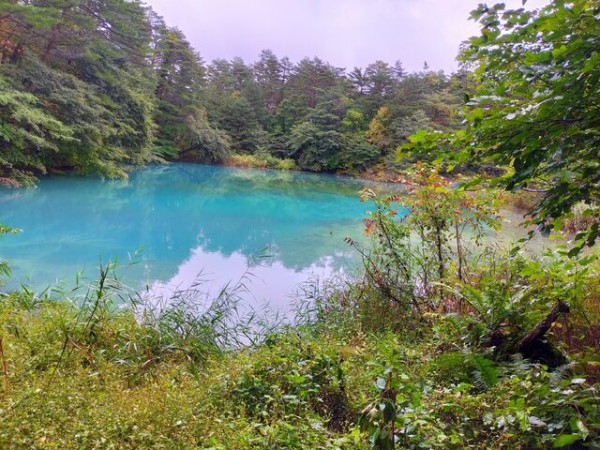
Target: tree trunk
(440, 254)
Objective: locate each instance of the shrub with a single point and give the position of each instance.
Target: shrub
(261, 161)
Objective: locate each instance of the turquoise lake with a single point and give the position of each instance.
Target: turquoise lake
(177, 225)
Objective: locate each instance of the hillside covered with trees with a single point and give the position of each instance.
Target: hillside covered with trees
(91, 87)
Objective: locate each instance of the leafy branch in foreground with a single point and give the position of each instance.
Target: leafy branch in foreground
(426, 244)
(535, 109)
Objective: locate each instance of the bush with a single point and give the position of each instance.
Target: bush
(261, 161)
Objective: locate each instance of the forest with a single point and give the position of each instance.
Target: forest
(444, 340)
(96, 88)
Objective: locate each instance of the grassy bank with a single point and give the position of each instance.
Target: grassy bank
(91, 374)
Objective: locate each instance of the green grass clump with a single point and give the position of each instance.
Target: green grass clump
(127, 383)
(261, 161)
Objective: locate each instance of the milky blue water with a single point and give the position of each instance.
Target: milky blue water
(183, 223)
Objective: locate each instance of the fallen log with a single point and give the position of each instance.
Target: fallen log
(533, 345)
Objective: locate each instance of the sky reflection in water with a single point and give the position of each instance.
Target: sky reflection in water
(190, 222)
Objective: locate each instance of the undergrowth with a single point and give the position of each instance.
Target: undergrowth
(298, 389)
(94, 374)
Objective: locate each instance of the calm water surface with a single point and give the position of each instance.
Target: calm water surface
(185, 223)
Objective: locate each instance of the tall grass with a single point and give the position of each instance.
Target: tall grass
(105, 321)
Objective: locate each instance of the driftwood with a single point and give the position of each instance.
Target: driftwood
(534, 347)
(530, 339)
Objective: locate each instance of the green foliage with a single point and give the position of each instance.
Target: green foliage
(100, 87)
(414, 256)
(541, 88)
(294, 381)
(558, 273)
(27, 133)
(4, 267)
(318, 115)
(316, 149)
(200, 141)
(522, 410)
(105, 84)
(533, 110)
(464, 367)
(261, 161)
(91, 85)
(91, 373)
(358, 154)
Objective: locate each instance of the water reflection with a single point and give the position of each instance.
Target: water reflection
(187, 219)
(263, 282)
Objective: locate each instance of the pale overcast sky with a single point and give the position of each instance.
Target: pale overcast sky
(345, 33)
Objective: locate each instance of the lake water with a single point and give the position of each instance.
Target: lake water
(182, 224)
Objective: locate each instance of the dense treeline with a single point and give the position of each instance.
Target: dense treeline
(74, 80)
(92, 85)
(323, 117)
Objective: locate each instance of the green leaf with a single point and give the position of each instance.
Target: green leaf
(295, 379)
(565, 439)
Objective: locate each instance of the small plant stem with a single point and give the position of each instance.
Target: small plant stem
(4, 366)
